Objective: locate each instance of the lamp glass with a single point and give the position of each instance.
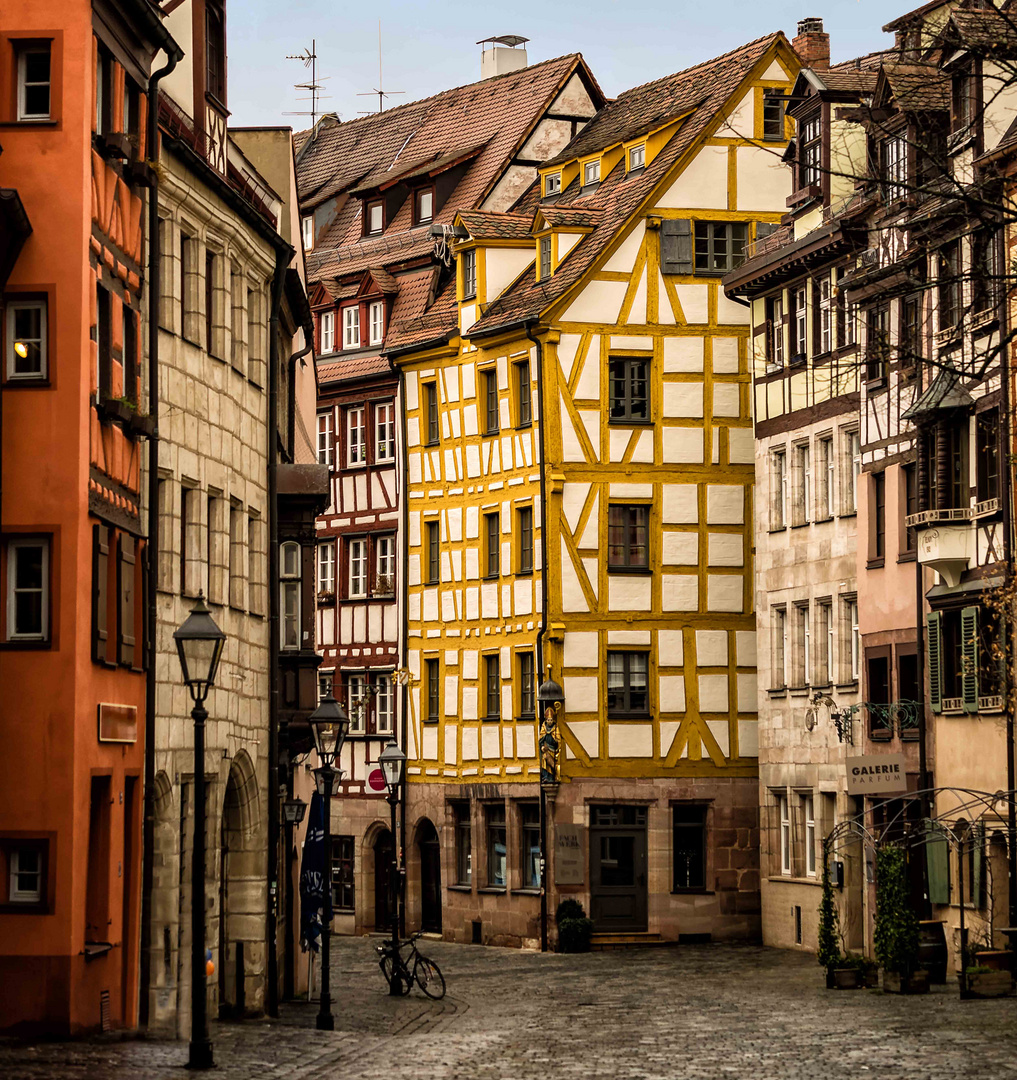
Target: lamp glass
(199, 644)
(293, 811)
(391, 761)
(329, 725)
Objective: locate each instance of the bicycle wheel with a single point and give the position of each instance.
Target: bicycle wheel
(429, 978)
(404, 977)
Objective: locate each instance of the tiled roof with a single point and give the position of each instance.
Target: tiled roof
(918, 87)
(867, 61)
(848, 80)
(986, 30)
(353, 367)
(487, 225)
(384, 280)
(576, 217)
(706, 88)
(910, 17)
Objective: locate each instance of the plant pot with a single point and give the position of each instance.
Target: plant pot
(988, 984)
(895, 983)
(142, 424)
(847, 978)
(997, 959)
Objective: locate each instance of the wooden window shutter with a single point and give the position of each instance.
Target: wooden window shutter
(934, 655)
(676, 246)
(100, 580)
(969, 658)
(125, 592)
(141, 649)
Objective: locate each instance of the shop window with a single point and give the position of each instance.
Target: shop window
(496, 845)
(689, 846)
(463, 844)
(529, 828)
(343, 879)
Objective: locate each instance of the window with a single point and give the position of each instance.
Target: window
(374, 219)
(213, 552)
(779, 625)
(255, 565)
(825, 475)
(803, 645)
(627, 684)
(423, 206)
(799, 323)
(255, 355)
(944, 453)
(552, 184)
(965, 100)
(131, 110)
(803, 484)
(104, 344)
(950, 283)
(464, 847)
(852, 470)
(824, 323)
(545, 257)
(909, 344)
(431, 404)
(877, 342)
(376, 321)
(847, 317)
(785, 834)
(384, 705)
(26, 874)
(824, 643)
(326, 568)
(188, 541)
(809, 151)
(529, 829)
(469, 274)
(773, 115)
(524, 519)
(492, 687)
(778, 489)
(357, 553)
(630, 392)
(492, 533)
(130, 355)
(894, 160)
(384, 566)
(689, 846)
(351, 327)
(909, 478)
(591, 173)
(328, 331)
(103, 92)
(384, 432)
(188, 300)
(985, 272)
(236, 556)
(854, 639)
(28, 590)
(527, 698)
(289, 595)
(356, 443)
(809, 814)
(987, 452)
(342, 873)
(879, 515)
(100, 593)
(325, 439)
(637, 157)
(432, 528)
(431, 686)
(490, 384)
(628, 537)
(775, 337)
(34, 82)
(214, 336)
(719, 246)
(215, 50)
(27, 351)
(524, 412)
(307, 232)
(496, 836)
(357, 702)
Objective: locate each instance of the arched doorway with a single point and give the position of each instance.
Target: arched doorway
(430, 877)
(383, 856)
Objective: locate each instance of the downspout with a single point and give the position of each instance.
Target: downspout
(283, 256)
(291, 417)
(539, 674)
(404, 622)
(152, 549)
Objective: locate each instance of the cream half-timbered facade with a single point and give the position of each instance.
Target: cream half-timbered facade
(632, 379)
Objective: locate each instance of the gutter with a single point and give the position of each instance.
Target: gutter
(174, 56)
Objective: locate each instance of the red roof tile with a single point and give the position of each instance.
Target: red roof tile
(354, 367)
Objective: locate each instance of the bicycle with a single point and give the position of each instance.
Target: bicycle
(425, 972)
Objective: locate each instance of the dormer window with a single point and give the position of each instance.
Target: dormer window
(637, 157)
(545, 257)
(307, 232)
(376, 322)
(591, 173)
(328, 331)
(552, 184)
(469, 265)
(894, 160)
(374, 218)
(809, 151)
(351, 327)
(423, 206)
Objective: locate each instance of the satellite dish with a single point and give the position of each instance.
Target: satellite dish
(811, 718)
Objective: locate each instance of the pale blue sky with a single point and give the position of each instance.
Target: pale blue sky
(429, 45)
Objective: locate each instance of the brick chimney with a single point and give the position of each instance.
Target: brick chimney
(811, 44)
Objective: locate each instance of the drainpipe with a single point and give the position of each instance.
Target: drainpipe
(539, 674)
(404, 625)
(291, 418)
(152, 551)
(284, 255)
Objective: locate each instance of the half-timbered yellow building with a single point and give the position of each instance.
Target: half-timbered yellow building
(580, 500)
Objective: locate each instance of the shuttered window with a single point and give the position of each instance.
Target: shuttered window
(125, 607)
(969, 655)
(934, 656)
(100, 598)
(676, 246)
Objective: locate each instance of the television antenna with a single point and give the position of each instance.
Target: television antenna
(379, 89)
(309, 58)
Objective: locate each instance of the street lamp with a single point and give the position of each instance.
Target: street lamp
(329, 725)
(293, 814)
(392, 760)
(550, 703)
(199, 645)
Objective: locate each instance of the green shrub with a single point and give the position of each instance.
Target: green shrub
(574, 935)
(896, 933)
(569, 909)
(829, 925)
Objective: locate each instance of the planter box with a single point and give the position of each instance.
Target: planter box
(847, 979)
(989, 984)
(918, 983)
(997, 959)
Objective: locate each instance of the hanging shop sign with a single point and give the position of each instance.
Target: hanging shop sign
(876, 774)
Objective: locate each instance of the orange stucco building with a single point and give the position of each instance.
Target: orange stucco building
(73, 80)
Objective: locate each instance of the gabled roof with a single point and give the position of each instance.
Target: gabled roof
(566, 217)
(487, 225)
(709, 86)
(352, 367)
(915, 87)
(985, 30)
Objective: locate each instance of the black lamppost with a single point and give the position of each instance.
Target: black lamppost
(550, 704)
(391, 761)
(329, 725)
(199, 643)
(293, 814)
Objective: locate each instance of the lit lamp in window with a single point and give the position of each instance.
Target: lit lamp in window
(199, 644)
(21, 349)
(329, 726)
(392, 760)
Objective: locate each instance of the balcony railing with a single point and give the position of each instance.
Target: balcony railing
(928, 517)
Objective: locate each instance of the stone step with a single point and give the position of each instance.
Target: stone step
(624, 941)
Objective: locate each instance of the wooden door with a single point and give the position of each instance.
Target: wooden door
(618, 869)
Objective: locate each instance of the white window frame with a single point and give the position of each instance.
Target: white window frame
(853, 470)
(384, 562)
(778, 481)
(356, 437)
(307, 231)
(824, 620)
(384, 705)
(803, 644)
(803, 486)
(357, 692)
(13, 547)
(23, 114)
(637, 157)
(825, 316)
(799, 328)
(375, 209)
(469, 274)
(591, 173)
(13, 306)
(784, 814)
(325, 439)
(289, 595)
(552, 184)
(376, 322)
(18, 895)
(419, 199)
(326, 568)
(357, 568)
(778, 331)
(779, 647)
(351, 327)
(384, 432)
(855, 640)
(827, 477)
(328, 331)
(809, 816)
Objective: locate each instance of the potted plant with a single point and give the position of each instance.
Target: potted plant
(828, 953)
(982, 981)
(575, 930)
(896, 932)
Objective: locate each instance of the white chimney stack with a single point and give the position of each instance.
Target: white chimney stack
(502, 54)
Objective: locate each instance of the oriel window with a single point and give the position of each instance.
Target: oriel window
(289, 595)
(496, 846)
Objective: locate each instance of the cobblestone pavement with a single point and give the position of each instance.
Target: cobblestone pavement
(690, 1013)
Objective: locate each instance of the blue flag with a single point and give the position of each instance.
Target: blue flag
(312, 876)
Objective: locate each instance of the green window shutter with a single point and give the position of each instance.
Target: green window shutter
(676, 246)
(937, 858)
(969, 658)
(934, 656)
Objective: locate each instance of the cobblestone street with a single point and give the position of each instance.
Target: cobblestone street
(691, 1012)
